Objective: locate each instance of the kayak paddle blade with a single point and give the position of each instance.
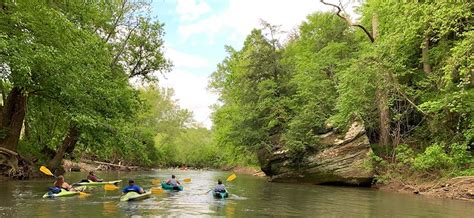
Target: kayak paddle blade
(155, 182)
(109, 187)
(83, 194)
(187, 180)
(46, 171)
(156, 191)
(231, 177)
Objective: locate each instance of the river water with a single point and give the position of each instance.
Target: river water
(250, 196)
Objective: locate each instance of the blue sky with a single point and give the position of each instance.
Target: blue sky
(198, 30)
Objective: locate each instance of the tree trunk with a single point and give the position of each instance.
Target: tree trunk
(375, 26)
(384, 116)
(2, 89)
(68, 145)
(425, 56)
(13, 114)
(382, 97)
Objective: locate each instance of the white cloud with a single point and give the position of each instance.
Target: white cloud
(192, 94)
(236, 21)
(190, 10)
(243, 15)
(185, 60)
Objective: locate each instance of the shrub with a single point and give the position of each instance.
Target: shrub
(405, 155)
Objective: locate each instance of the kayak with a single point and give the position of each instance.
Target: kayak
(133, 196)
(115, 182)
(63, 193)
(170, 187)
(220, 194)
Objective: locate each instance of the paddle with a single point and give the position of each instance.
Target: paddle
(48, 172)
(229, 179)
(156, 191)
(157, 181)
(110, 187)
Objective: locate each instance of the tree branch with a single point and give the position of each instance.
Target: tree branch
(338, 13)
(124, 44)
(121, 13)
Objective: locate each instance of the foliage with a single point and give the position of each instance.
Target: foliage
(315, 58)
(78, 64)
(252, 84)
(73, 63)
(436, 158)
(417, 73)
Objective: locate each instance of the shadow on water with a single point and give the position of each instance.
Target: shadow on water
(249, 196)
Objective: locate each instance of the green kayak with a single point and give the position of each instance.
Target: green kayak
(133, 196)
(220, 194)
(63, 193)
(171, 187)
(97, 183)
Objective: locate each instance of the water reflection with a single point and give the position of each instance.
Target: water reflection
(249, 196)
(110, 208)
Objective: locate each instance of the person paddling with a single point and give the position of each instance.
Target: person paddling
(93, 178)
(220, 187)
(60, 183)
(173, 181)
(132, 188)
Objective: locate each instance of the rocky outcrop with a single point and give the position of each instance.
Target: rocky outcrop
(338, 159)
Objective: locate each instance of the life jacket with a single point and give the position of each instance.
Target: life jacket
(54, 189)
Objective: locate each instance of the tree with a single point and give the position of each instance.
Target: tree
(68, 63)
(316, 58)
(252, 87)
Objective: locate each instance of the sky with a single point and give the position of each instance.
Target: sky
(196, 32)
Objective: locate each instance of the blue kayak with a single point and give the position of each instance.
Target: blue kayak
(220, 194)
(171, 187)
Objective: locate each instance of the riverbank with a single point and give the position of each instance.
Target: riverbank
(254, 171)
(461, 188)
(90, 165)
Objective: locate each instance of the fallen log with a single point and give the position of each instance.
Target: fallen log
(111, 166)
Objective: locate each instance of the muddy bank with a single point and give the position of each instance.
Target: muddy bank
(461, 188)
(245, 170)
(255, 171)
(89, 165)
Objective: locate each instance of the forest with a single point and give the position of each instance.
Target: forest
(84, 82)
(405, 70)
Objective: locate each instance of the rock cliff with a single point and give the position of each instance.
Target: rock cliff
(335, 158)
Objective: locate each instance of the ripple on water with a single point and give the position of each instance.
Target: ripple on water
(250, 196)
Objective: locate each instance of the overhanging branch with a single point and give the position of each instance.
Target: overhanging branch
(339, 10)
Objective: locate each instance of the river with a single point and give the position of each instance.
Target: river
(250, 196)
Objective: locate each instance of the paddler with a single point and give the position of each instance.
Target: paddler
(220, 187)
(173, 181)
(60, 183)
(93, 178)
(132, 188)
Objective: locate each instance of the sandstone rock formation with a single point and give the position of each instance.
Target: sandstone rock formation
(338, 159)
